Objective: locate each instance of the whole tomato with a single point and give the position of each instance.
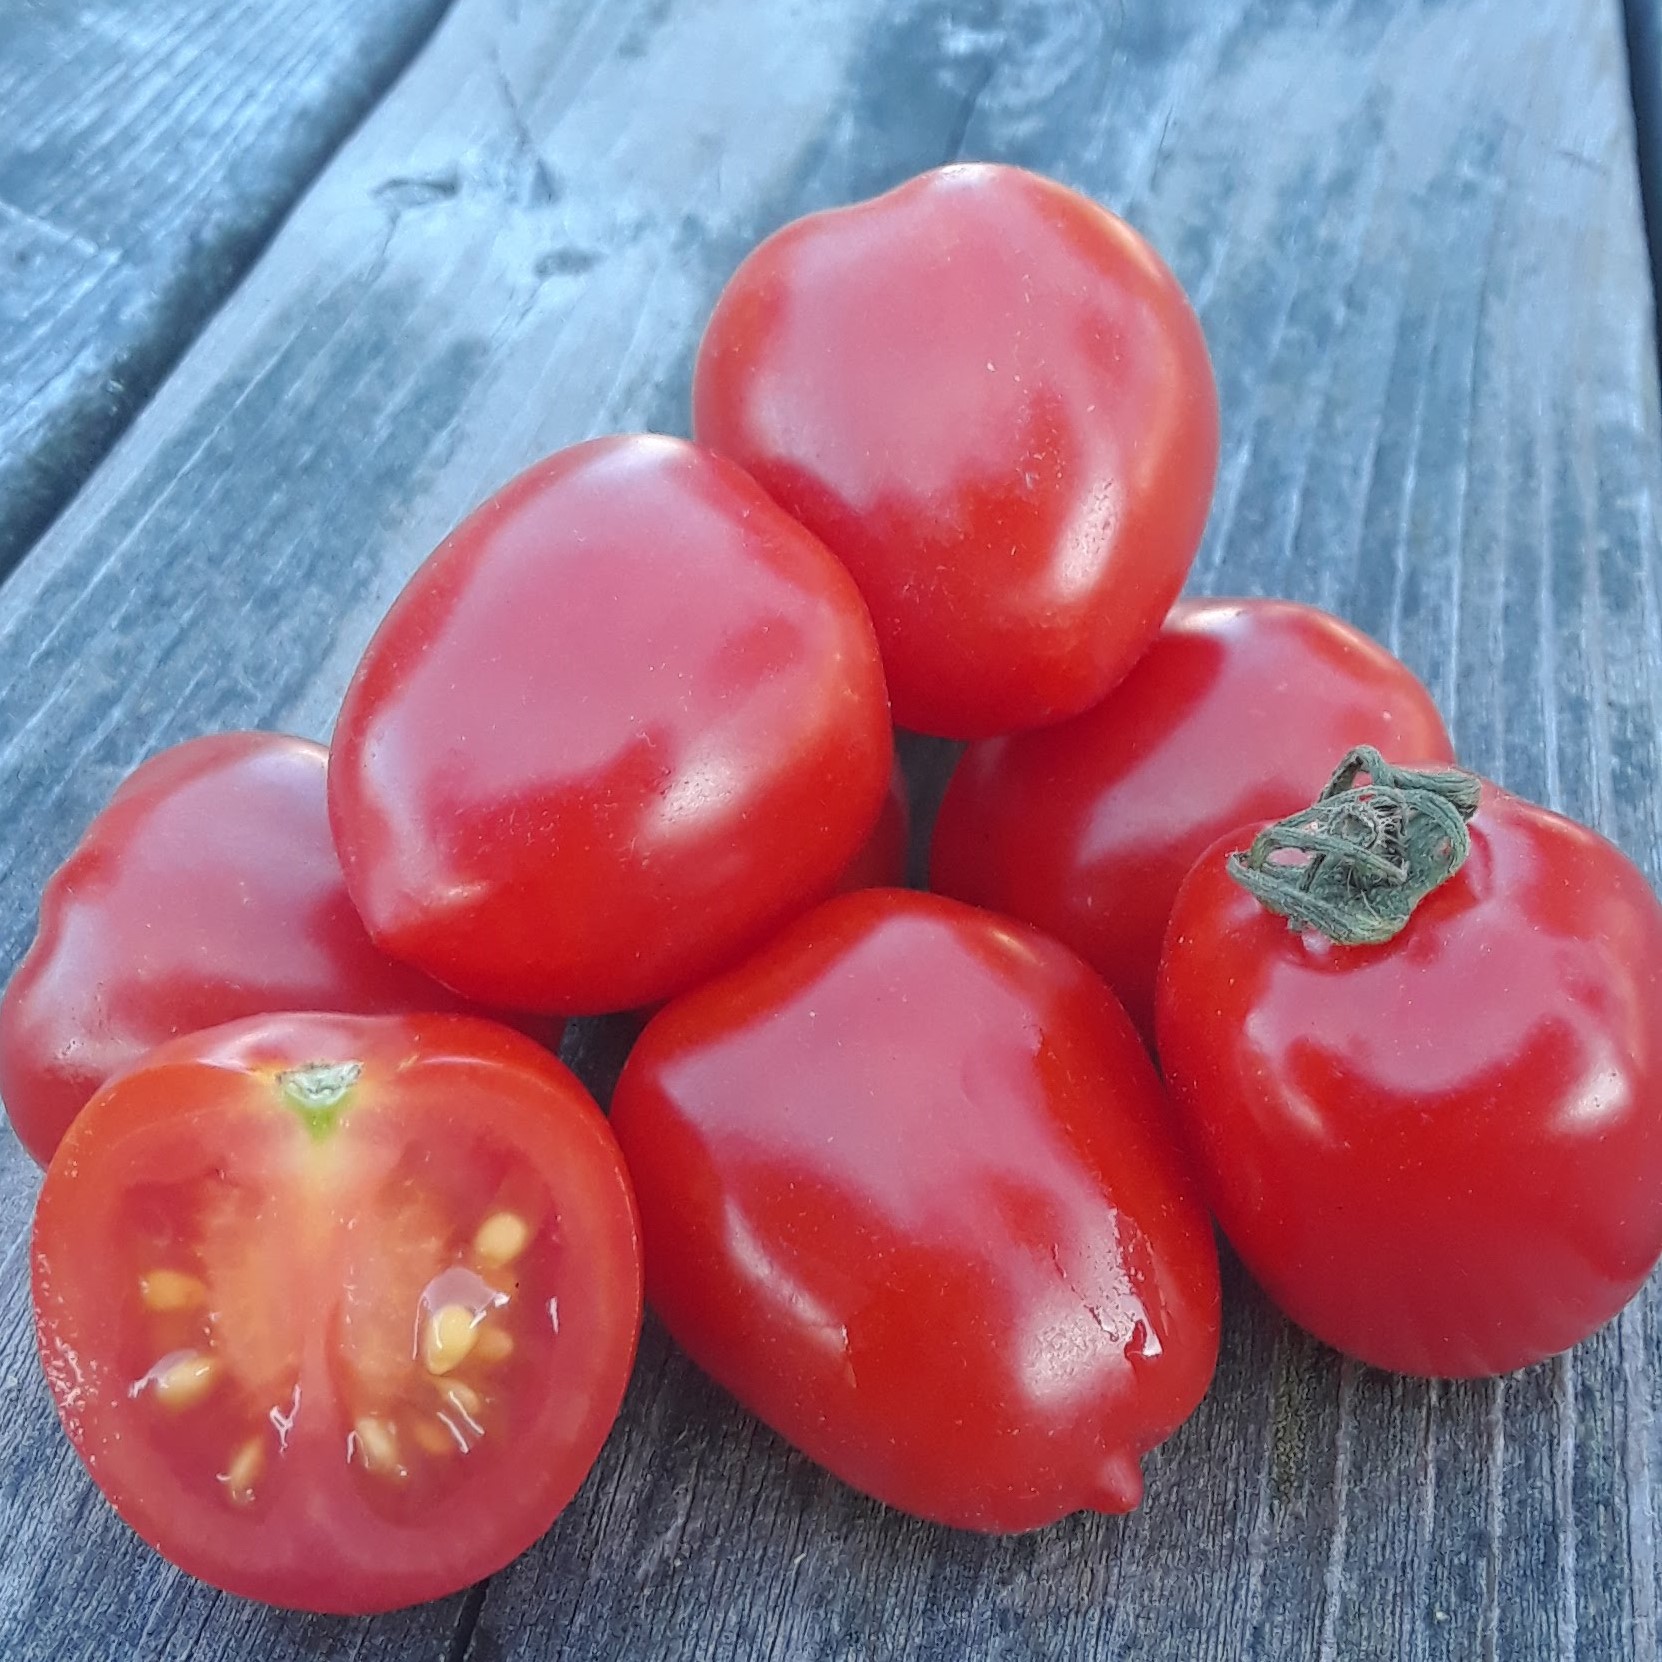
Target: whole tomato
(1438, 1150)
(1236, 712)
(993, 403)
(206, 890)
(338, 1310)
(623, 723)
(909, 1190)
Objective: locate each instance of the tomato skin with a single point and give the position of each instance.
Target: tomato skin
(1236, 712)
(626, 720)
(909, 1191)
(992, 401)
(1443, 1155)
(206, 890)
(203, 1106)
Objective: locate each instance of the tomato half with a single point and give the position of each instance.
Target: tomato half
(625, 721)
(908, 1189)
(1236, 712)
(338, 1310)
(1441, 1154)
(993, 403)
(208, 889)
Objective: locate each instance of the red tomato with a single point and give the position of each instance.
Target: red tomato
(627, 720)
(207, 890)
(909, 1191)
(994, 404)
(881, 861)
(338, 1310)
(1442, 1155)
(1236, 712)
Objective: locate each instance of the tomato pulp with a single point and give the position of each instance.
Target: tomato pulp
(991, 400)
(208, 889)
(1236, 712)
(338, 1311)
(1441, 1154)
(623, 723)
(909, 1190)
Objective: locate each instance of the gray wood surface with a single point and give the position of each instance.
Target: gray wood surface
(1414, 233)
(148, 149)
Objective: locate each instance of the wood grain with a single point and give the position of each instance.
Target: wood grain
(148, 152)
(1414, 233)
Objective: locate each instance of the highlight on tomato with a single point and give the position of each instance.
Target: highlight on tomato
(1415, 1036)
(993, 403)
(337, 1311)
(910, 1191)
(627, 720)
(207, 889)
(1235, 713)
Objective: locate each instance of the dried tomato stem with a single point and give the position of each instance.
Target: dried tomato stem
(1372, 852)
(318, 1093)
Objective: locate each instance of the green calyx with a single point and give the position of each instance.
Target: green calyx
(1370, 853)
(318, 1092)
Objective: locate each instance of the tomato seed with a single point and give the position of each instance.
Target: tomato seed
(434, 1437)
(378, 1443)
(244, 1471)
(464, 1399)
(501, 1238)
(493, 1344)
(171, 1290)
(183, 1380)
(448, 1338)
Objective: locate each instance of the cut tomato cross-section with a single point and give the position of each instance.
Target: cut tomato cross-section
(339, 1310)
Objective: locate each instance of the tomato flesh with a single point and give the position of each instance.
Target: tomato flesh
(339, 1335)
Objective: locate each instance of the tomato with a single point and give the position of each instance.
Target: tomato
(909, 1191)
(993, 403)
(1236, 712)
(338, 1310)
(881, 860)
(207, 890)
(623, 723)
(1441, 1154)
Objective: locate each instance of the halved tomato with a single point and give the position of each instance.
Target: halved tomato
(338, 1310)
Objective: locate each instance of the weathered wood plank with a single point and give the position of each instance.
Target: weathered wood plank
(1415, 237)
(146, 155)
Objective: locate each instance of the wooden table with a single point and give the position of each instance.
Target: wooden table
(287, 285)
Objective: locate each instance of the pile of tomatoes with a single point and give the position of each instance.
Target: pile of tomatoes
(338, 1272)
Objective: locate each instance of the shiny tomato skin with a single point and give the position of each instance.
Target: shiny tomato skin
(909, 1191)
(208, 889)
(626, 720)
(1238, 711)
(991, 400)
(291, 1229)
(1442, 1155)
